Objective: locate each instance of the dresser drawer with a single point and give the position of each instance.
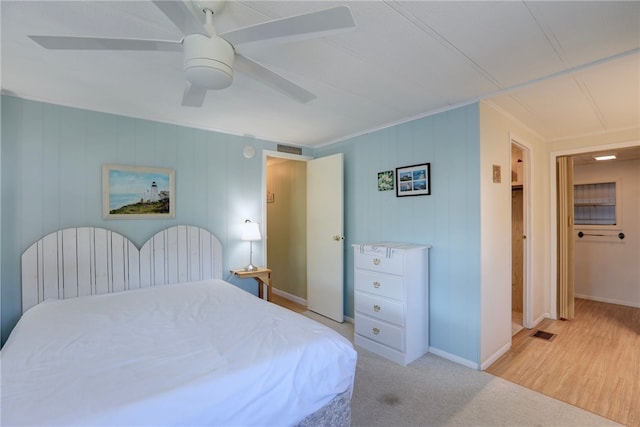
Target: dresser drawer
(379, 284)
(384, 333)
(381, 260)
(380, 308)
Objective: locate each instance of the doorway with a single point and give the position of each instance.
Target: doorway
(631, 149)
(519, 229)
(285, 226)
(517, 253)
(303, 216)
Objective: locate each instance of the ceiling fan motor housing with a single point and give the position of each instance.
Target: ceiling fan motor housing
(208, 61)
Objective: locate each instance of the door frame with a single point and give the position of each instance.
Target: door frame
(553, 214)
(527, 291)
(278, 154)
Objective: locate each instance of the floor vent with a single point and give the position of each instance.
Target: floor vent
(544, 335)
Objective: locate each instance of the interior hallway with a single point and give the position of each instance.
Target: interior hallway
(593, 362)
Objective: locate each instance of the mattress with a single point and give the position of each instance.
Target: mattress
(200, 353)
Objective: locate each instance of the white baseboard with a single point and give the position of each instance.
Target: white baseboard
(609, 300)
(495, 356)
(290, 297)
(301, 301)
(452, 357)
(540, 319)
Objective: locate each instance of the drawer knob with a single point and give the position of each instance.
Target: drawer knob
(376, 331)
(376, 261)
(376, 285)
(376, 308)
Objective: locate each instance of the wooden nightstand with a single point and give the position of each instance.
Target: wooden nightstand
(262, 276)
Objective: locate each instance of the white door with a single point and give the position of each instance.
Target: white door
(325, 246)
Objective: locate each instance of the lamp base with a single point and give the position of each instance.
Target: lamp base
(250, 267)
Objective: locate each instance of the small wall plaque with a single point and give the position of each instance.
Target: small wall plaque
(497, 176)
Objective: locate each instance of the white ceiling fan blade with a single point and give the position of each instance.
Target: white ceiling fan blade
(96, 43)
(258, 72)
(193, 96)
(295, 28)
(183, 16)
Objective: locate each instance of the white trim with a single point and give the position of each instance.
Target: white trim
(150, 117)
(608, 300)
(398, 122)
(483, 97)
(452, 357)
(591, 134)
(535, 323)
(487, 96)
(290, 297)
(553, 220)
(495, 356)
(527, 191)
(271, 153)
(278, 154)
(303, 301)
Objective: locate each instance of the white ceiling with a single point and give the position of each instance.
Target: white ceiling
(563, 69)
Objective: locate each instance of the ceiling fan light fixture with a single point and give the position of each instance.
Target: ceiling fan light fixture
(208, 61)
(212, 75)
(209, 57)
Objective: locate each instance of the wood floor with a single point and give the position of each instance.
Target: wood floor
(287, 303)
(593, 362)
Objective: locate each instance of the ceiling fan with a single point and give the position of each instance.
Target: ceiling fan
(210, 58)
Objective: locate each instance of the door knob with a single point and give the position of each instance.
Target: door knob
(337, 238)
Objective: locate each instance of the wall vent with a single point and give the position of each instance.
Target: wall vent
(289, 149)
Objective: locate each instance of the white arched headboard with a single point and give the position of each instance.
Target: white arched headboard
(180, 254)
(90, 261)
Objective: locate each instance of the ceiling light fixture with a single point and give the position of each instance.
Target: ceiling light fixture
(607, 157)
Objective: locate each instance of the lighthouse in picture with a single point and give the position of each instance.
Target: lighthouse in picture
(154, 192)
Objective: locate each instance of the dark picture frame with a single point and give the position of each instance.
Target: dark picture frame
(414, 180)
(385, 181)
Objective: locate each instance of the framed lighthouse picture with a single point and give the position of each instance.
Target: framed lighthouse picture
(134, 192)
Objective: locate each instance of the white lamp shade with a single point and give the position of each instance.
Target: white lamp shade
(251, 231)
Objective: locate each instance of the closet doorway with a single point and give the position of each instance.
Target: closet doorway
(519, 246)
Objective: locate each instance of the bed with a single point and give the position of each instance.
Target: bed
(155, 337)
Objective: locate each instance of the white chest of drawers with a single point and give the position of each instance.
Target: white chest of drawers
(391, 286)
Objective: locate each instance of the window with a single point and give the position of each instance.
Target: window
(596, 204)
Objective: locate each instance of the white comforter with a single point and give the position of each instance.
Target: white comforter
(203, 353)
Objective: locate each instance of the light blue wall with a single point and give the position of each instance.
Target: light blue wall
(51, 179)
(449, 219)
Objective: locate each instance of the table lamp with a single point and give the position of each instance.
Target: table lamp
(251, 233)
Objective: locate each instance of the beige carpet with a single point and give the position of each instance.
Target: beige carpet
(436, 392)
